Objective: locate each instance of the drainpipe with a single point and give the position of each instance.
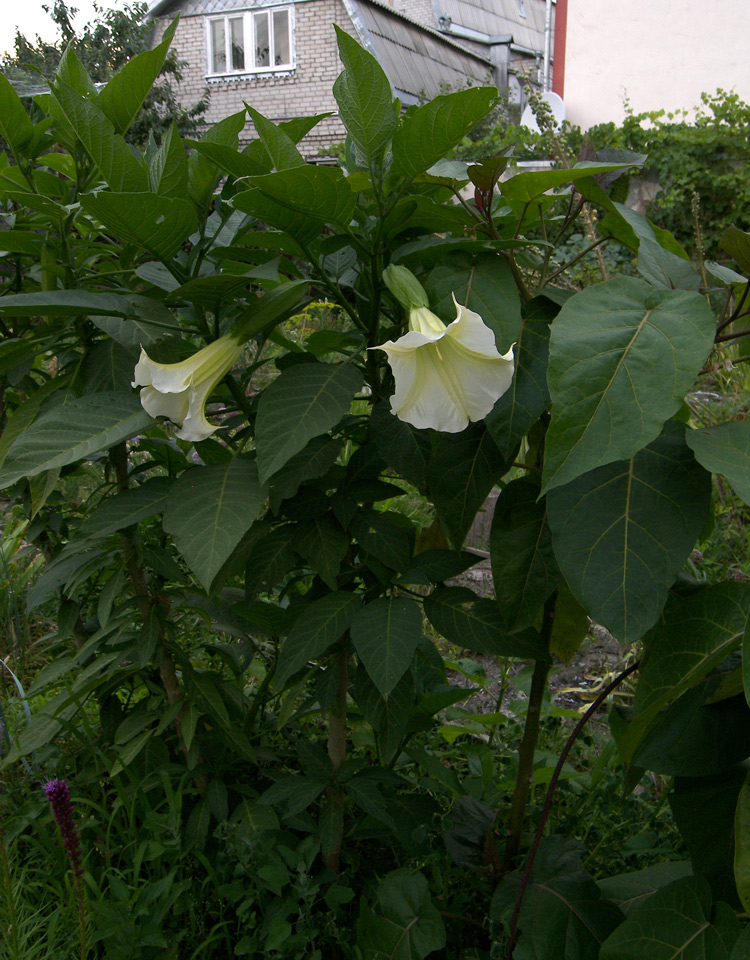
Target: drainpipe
(446, 25)
(499, 57)
(547, 45)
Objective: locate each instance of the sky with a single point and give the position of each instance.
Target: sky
(31, 19)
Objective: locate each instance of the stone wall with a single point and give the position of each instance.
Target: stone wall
(304, 90)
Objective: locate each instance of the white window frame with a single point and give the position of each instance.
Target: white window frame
(248, 24)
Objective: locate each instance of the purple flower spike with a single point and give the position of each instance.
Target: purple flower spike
(59, 796)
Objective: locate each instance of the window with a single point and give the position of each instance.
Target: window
(250, 42)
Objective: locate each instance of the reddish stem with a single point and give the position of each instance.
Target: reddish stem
(550, 795)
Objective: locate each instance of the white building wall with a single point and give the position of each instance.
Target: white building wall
(659, 54)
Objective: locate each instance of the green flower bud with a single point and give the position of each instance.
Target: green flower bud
(405, 287)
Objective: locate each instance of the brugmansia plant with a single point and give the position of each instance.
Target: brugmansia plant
(245, 612)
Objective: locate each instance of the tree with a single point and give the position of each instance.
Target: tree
(103, 47)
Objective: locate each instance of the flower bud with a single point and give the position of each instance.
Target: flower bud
(404, 286)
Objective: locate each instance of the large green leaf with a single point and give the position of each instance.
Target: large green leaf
(737, 244)
(157, 224)
(629, 891)
(692, 737)
(407, 925)
(22, 241)
(126, 509)
(305, 401)
(434, 566)
(74, 431)
(258, 205)
(524, 569)
(741, 946)
(73, 72)
(123, 96)
(318, 626)
(22, 418)
(525, 401)
(404, 448)
(236, 164)
(605, 345)
(478, 625)
(363, 94)
(279, 145)
(323, 545)
(76, 303)
(742, 844)
(319, 192)
(203, 174)
(314, 460)
(527, 187)
(273, 307)
(107, 366)
(15, 124)
(428, 132)
(168, 168)
(111, 154)
(143, 332)
(695, 633)
(386, 535)
(676, 923)
(271, 558)
(385, 635)
(725, 449)
(463, 469)
(208, 512)
(703, 809)
(662, 268)
(622, 532)
(563, 914)
(388, 716)
(484, 283)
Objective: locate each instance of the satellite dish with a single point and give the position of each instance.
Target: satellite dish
(556, 105)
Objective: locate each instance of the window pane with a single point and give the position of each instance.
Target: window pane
(238, 43)
(218, 47)
(262, 50)
(281, 37)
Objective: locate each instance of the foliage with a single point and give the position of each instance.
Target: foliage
(694, 172)
(246, 692)
(104, 46)
(704, 157)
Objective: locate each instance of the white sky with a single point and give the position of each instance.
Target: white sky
(31, 19)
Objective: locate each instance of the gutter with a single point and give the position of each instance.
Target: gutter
(446, 26)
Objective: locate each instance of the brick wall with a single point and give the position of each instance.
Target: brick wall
(420, 10)
(304, 90)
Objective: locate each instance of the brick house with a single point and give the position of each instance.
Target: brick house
(281, 55)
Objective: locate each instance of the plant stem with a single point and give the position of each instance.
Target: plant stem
(581, 255)
(550, 796)
(337, 750)
(337, 717)
(145, 603)
(528, 743)
(81, 917)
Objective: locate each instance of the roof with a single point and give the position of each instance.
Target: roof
(497, 18)
(419, 62)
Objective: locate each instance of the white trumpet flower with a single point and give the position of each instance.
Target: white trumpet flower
(446, 376)
(179, 391)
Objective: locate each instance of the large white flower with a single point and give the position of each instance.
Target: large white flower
(448, 376)
(179, 391)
